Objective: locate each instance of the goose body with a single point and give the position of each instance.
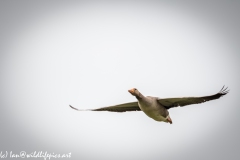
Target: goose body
(150, 106)
(155, 107)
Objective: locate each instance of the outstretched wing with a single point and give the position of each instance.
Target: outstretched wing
(175, 102)
(132, 106)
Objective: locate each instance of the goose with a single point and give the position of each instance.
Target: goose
(157, 108)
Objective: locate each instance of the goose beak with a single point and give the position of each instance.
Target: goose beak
(131, 91)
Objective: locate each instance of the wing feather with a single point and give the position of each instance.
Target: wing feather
(175, 102)
(131, 106)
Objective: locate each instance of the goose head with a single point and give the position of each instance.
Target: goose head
(135, 92)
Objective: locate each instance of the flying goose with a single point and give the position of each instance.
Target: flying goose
(157, 108)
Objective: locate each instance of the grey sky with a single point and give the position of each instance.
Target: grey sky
(88, 54)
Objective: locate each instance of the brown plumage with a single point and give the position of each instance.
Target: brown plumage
(175, 102)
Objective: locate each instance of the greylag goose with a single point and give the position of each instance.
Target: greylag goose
(157, 108)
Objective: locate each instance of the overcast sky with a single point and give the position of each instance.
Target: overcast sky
(88, 54)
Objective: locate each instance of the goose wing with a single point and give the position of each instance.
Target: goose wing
(175, 102)
(131, 106)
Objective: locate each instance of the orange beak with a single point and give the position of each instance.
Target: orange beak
(131, 91)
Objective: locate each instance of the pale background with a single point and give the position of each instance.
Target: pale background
(89, 53)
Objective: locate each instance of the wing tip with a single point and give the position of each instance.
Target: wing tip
(224, 91)
(73, 108)
(80, 109)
